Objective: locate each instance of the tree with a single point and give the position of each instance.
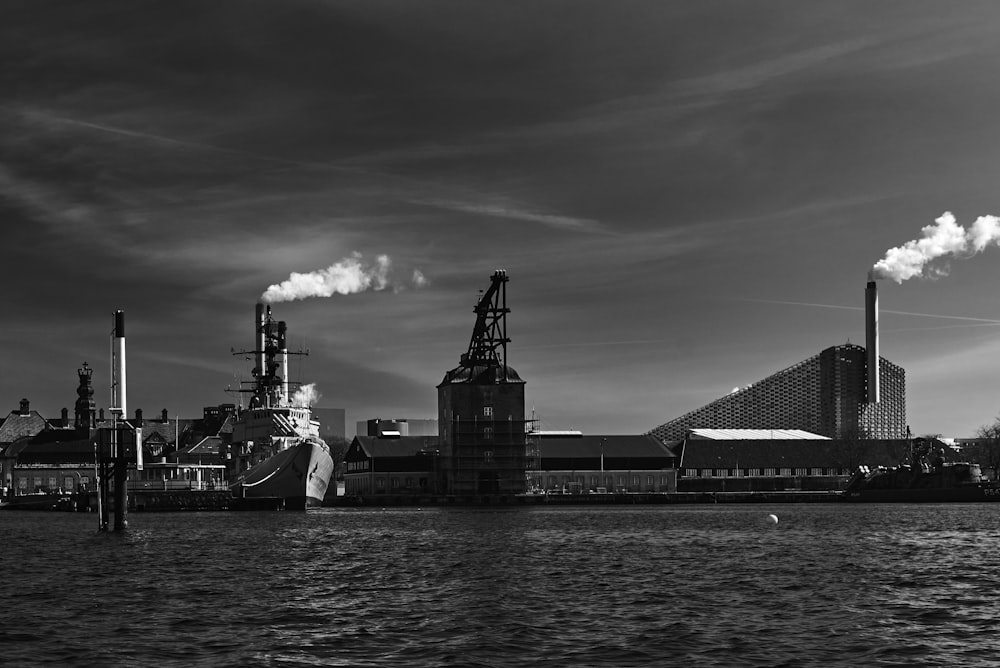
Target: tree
(985, 450)
(338, 448)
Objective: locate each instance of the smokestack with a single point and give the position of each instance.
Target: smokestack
(260, 328)
(283, 346)
(871, 338)
(120, 397)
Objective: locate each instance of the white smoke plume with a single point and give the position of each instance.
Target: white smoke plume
(349, 276)
(306, 396)
(944, 239)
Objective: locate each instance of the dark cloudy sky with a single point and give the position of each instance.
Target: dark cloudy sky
(687, 196)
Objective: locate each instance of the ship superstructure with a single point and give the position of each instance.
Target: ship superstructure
(276, 451)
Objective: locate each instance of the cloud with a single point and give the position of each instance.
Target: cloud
(552, 220)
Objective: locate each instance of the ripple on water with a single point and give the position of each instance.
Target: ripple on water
(638, 586)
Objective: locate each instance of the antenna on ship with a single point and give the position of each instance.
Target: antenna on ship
(269, 387)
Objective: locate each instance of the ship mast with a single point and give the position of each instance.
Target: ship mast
(270, 386)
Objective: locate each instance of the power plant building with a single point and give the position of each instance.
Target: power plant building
(844, 392)
(826, 394)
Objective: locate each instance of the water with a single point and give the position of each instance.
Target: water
(829, 585)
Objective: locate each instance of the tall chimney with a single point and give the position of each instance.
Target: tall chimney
(871, 339)
(120, 385)
(283, 346)
(260, 330)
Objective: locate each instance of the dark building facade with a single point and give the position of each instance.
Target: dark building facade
(481, 408)
(826, 394)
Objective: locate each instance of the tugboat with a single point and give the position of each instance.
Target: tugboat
(276, 458)
(926, 478)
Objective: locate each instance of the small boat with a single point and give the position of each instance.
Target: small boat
(276, 452)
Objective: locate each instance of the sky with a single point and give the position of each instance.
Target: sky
(686, 196)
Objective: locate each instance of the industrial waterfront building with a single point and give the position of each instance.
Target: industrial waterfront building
(481, 408)
(825, 394)
(843, 392)
(555, 463)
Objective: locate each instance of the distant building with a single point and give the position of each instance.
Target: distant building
(401, 426)
(569, 462)
(393, 465)
(826, 394)
(718, 460)
(481, 408)
(16, 431)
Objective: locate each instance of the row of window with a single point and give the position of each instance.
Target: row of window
(28, 484)
(396, 484)
(606, 480)
(763, 473)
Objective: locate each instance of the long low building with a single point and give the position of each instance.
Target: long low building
(555, 462)
(769, 460)
(571, 462)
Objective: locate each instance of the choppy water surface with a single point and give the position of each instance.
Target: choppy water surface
(637, 586)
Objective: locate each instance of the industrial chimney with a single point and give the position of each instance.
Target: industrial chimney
(260, 328)
(871, 339)
(119, 386)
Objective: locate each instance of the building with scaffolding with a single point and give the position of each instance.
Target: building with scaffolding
(481, 418)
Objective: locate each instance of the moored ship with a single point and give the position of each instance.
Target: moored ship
(941, 482)
(276, 453)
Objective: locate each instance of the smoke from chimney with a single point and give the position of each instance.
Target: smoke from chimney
(944, 239)
(348, 276)
(305, 396)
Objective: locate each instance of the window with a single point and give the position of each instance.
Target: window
(409, 483)
(487, 456)
(649, 480)
(487, 433)
(487, 411)
(380, 483)
(394, 483)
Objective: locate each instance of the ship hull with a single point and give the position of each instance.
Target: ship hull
(298, 475)
(967, 493)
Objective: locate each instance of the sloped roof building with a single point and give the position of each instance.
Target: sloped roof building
(826, 394)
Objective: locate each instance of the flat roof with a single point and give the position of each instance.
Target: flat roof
(755, 434)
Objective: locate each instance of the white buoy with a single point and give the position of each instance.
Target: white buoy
(772, 518)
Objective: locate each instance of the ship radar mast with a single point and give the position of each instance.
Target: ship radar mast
(270, 387)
